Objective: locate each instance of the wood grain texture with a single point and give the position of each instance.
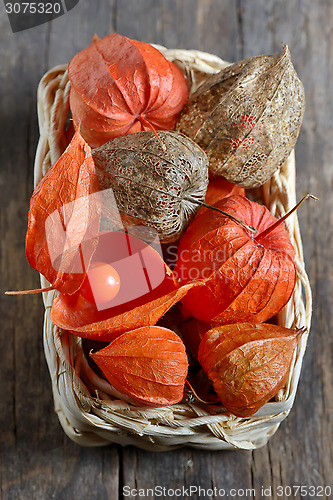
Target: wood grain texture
(37, 461)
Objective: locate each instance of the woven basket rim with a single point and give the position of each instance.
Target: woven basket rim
(93, 421)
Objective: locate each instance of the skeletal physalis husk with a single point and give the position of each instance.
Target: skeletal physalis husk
(158, 182)
(247, 118)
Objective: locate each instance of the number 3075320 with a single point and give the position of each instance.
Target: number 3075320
(33, 8)
(304, 491)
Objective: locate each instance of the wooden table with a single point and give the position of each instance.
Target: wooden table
(38, 461)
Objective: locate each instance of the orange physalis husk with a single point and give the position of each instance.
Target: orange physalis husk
(64, 218)
(120, 86)
(248, 278)
(138, 265)
(248, 363)
(148, 366)
(219, 188)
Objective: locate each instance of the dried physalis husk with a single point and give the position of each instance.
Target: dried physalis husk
(247, 118)
(248, 363)
(245, 276)
(120, 86)
(147, 366)
(158, 182)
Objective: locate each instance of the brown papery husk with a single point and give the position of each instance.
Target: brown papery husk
(247, 118)
(156, 186)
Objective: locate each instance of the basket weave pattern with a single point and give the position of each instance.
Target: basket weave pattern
(88, 411)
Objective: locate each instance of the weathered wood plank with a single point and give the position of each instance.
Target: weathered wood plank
(37, 460)
(23, 318)
(139, 20)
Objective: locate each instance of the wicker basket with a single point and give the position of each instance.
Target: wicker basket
(102, 419)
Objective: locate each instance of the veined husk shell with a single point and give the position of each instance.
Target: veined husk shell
(120, 86)
(156, 183)
(247, 118)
